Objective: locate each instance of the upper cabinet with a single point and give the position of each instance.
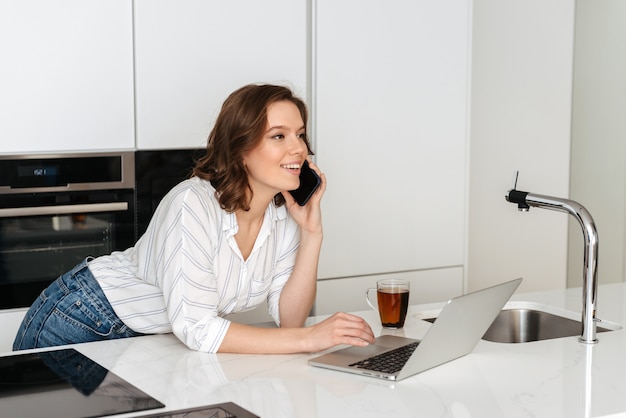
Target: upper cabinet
(391, 109)
(191, 55)
(66, 78)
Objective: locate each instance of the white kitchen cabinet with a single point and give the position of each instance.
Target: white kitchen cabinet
(10, 321)
(391, 109)
(191, 54)
(348, 294)
(66, 78)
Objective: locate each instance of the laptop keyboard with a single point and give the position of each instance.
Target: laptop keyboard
(388, 362)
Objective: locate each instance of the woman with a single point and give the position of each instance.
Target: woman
(220, 242)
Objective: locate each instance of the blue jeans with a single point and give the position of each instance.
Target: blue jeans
(73, 309)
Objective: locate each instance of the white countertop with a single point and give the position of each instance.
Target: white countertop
(553, 378)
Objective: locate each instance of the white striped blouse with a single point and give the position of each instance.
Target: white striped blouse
(186, 272)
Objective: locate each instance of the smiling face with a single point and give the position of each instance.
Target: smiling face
(274, 164)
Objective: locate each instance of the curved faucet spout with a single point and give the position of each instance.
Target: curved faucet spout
(526, 200)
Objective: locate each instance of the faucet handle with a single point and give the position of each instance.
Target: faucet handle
(519, 197)
(515, 176)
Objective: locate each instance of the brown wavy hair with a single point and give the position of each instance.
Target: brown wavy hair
(239, 128)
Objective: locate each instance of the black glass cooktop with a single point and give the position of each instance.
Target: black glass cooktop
(65, 383)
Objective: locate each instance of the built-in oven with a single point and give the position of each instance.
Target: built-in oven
(55, 210)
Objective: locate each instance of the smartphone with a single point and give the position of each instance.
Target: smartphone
(309, 182)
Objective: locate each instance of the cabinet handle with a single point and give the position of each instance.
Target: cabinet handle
(63, 209)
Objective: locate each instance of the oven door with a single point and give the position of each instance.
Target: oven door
(39, 243)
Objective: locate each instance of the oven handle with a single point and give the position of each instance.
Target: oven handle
(64, 209)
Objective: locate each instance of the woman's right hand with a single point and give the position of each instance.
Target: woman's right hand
(340, 328)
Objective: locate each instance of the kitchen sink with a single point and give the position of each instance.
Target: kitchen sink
(522, 322)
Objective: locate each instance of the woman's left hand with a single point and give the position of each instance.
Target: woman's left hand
(309, 216)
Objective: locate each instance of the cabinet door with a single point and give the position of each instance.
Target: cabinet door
(391, 107)
(190, 55)
(348, 294)
(10, 321)
(66, 76)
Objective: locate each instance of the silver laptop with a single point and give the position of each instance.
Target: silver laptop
(459, 326)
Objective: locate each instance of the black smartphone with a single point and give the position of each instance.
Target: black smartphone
(309, 182)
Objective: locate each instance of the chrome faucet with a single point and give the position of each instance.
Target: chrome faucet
(524, 201)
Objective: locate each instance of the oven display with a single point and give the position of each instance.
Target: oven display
(42, 172)
(47, 174)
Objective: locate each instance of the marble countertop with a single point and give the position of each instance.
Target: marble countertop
(553, 378)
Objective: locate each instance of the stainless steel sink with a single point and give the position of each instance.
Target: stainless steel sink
(522, 322)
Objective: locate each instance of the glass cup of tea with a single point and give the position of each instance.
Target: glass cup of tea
(393, 301)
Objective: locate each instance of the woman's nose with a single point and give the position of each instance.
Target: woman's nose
(297, 145)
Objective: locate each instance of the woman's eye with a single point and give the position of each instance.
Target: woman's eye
(278, 136)
(302, 136)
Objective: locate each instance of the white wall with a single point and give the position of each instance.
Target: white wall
(598, 179)
(520, 120)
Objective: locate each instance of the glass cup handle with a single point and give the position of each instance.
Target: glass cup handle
(367, 299)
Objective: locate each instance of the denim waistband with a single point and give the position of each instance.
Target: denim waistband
(80, 266)
(82, 277)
